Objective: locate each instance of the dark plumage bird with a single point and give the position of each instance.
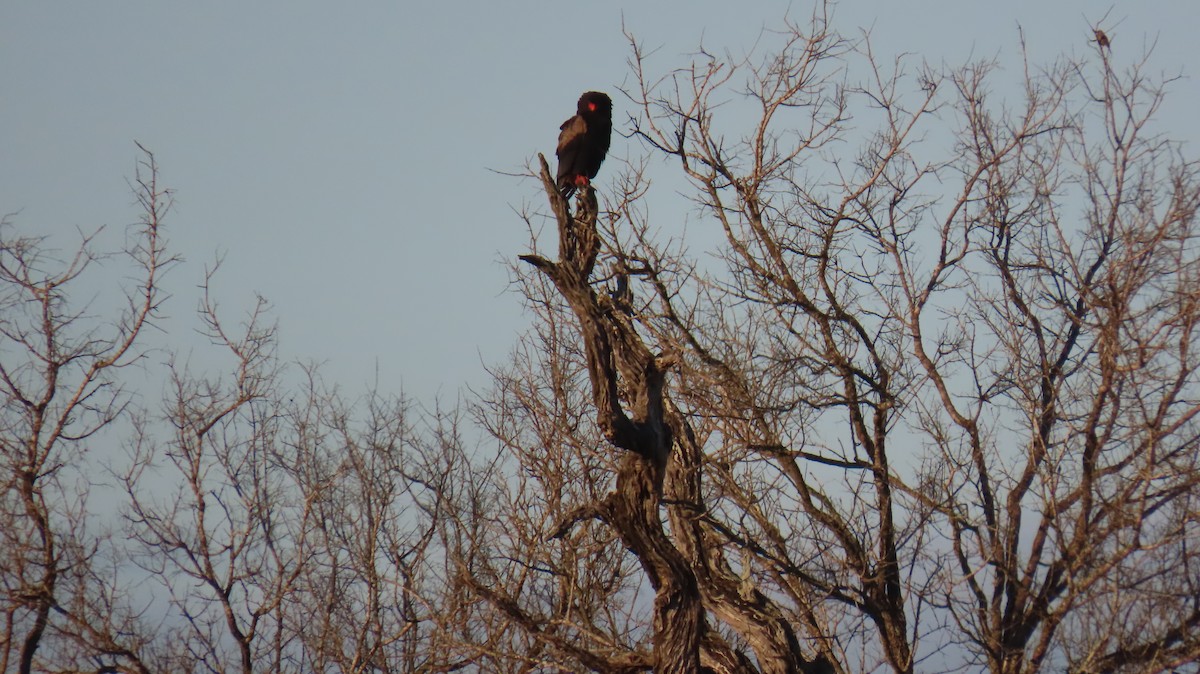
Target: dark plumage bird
(1102, 39)
(583, 142)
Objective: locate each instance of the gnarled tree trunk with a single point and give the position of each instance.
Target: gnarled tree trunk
(661, 457)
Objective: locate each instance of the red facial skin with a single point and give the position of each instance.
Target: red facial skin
(592, 107)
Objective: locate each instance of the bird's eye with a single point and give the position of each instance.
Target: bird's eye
(592, 107)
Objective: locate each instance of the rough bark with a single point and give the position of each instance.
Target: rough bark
(660, 470)
(620, 363)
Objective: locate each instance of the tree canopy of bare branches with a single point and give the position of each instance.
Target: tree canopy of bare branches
(935, 410)
(929, 404)
(266, 523)
(60, 375)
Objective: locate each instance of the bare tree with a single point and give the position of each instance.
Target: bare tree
(932, 407)
(290, 532)
(269, 524)
(60, 371)
(937, 409)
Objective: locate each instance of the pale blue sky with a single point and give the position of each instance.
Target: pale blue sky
(339, 153)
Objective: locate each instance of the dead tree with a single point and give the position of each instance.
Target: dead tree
(658, 471)
(61, 386)
(927, 414)
(628, 392)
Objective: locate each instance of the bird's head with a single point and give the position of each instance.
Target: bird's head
(594, 102)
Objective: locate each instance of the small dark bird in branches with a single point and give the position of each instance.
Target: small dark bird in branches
(1102, 39)
(583, 142)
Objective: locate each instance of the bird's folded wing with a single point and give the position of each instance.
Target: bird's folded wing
(571, 129)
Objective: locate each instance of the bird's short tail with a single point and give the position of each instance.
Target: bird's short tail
(568, 184)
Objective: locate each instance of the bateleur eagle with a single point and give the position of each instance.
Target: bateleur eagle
(583, 142)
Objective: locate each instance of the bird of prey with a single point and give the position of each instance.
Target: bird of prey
(583, 142)
(1102, 39)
